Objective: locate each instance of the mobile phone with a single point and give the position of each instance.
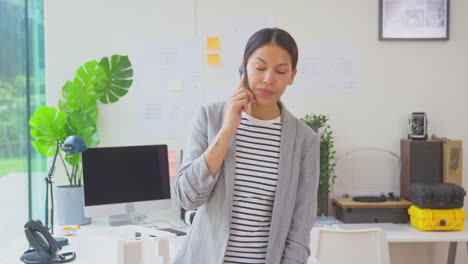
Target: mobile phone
(243, 71)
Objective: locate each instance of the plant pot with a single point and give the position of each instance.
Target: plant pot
(322, 203)
(69, 205)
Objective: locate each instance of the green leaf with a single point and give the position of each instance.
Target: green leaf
(72, 159)
(64, 107)
(47, 126)
(80, 96)
(92, 76)
(119, 74)
(66, 94)
(82, 125)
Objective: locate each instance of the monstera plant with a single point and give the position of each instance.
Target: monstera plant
(77, 114)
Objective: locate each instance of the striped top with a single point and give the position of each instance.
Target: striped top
(255, 179)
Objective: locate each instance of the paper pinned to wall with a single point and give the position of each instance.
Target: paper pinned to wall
(172, 170)
(157, 60)
(164, 114)
(166, 90)
(328, 68)
(171, 155)
(172, 162)
(174, 85)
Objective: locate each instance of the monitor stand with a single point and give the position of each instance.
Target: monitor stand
(118, 220)
(123, 219)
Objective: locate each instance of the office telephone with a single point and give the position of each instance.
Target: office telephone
(44, 247)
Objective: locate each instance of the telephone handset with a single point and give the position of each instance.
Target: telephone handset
(44, 247)
(242, 71)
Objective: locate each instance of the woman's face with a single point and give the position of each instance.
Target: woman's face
(269, 72)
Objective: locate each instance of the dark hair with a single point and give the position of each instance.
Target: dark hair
(275, 36)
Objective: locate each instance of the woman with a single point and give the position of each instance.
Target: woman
(251, 168)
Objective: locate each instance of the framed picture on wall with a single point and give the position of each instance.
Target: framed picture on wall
(414, 19)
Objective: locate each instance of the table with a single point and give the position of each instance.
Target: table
(161, 220)
(396, 233)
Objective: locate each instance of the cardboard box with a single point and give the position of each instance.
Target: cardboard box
(129, 244)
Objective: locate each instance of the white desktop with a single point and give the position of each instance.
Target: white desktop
(120, 181)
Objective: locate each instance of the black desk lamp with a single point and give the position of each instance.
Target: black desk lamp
(72, 145)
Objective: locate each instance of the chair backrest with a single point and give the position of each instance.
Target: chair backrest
(364, 246)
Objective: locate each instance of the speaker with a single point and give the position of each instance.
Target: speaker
(421, 162)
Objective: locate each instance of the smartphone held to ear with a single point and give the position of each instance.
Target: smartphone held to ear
(242, 71)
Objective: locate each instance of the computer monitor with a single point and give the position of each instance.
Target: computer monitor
(118, 181)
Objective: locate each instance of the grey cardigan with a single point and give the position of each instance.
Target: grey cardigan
(295, 202)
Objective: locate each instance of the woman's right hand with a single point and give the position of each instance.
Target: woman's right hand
(237, 103)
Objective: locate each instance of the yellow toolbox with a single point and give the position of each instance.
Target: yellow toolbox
(436, 219)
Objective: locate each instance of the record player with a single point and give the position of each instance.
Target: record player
(367, 188)
(371, 209)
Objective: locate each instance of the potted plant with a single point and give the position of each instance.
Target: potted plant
(77, 114)
(327, 158)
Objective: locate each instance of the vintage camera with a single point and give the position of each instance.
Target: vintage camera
(418, 126)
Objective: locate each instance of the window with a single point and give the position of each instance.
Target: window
(22, 168)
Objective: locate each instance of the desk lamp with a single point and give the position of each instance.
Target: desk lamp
(72, 145)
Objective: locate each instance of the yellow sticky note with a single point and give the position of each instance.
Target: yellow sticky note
(212, 43)
(213, 58)
(174, 85)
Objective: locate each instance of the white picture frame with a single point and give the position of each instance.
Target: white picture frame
(414, 19)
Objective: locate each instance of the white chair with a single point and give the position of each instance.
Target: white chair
(364, 246)
(313, 260)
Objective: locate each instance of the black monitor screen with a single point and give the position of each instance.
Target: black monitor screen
(125, 174)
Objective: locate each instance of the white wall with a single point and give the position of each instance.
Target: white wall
(397, 77)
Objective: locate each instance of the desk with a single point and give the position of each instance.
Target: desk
(401, 233)
(396, 233)
(164, 220)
